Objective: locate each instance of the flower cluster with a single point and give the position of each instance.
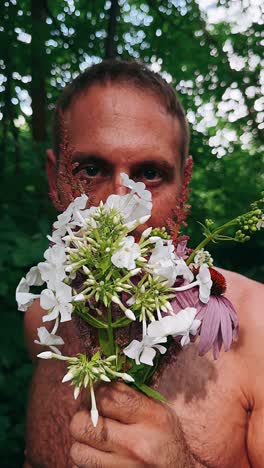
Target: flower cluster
(251, 222)
(96, 268)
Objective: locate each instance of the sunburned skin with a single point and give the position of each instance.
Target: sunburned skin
(217, 405)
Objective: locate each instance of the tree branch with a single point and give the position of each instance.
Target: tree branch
(110, 46)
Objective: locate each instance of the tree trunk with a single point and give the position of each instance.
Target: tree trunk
(38, 62)
(110, 45)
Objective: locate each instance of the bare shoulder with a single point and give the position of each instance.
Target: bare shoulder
(244, 293)
(247, 297)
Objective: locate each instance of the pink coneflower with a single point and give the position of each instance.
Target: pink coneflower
(219, 325)
(219, 319)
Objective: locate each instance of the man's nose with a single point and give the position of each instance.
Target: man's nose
(119, 188)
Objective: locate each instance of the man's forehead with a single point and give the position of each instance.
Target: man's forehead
(121, 108)
(120, 102)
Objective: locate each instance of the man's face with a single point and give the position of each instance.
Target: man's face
(118, 128)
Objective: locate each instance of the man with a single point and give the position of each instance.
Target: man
(121, 117)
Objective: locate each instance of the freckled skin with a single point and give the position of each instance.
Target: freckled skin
(214, 415)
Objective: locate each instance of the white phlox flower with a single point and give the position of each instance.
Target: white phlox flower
(181, 324)
(128, 252)
(71, 212)
(58, 302)
(23, 297)
(135, 206)
(53, 269)
(49, 339)
(203, 280)
(73, 216)
(136, 187)
(131, 207)
(183, 270)
(162, 262)
(144, 351)
(56, 236)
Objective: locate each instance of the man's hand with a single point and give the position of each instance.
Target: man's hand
(132, 431)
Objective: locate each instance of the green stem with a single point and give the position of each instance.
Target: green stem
(209, 238)
(110, 331)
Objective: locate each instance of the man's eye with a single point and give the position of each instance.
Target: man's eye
(92, 170)
(150, 174)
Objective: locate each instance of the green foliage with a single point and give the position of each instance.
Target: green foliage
(172, 34)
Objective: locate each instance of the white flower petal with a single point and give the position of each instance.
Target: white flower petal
(195, 325)
(147, 356)
(162, 261)
(125, 256)
(133, 349)
(55, 255)
(49, 339)
(33, 277)
(66, 311)
(47, 299)
(183, 270)
(52, 315)
(23, 297)
(63, 292)
(22, 286)
(161, 349)
(185, 340)
(175, 325)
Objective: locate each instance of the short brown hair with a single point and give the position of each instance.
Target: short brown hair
(124, 71)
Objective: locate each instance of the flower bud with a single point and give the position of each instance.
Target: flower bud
(86, 270)
(130, 314)
(135, 272)
(144, 219)
(115, 300)
(147, 232)
(86, 380)
(127, 377)
(67, 377)
(93, 223)
(142, 259)
(154, 238)
(104, 378)
(76, 392)
(79, 298)
(45, 355)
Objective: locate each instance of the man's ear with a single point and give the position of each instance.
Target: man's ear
(51, 171)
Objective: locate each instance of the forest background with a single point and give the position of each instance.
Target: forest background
(210, 51)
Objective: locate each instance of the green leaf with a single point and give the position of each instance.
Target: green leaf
(149, 391)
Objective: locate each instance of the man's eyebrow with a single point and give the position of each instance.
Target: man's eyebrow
(79, 156)
(158, 162)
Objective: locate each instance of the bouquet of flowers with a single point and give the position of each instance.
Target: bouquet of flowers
(139, 293)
